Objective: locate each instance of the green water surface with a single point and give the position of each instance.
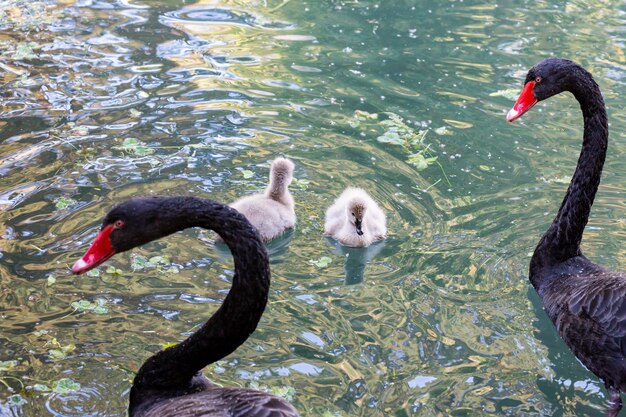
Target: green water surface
(103, 100)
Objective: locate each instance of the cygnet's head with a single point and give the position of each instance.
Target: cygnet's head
(355, 211)
(282, 171)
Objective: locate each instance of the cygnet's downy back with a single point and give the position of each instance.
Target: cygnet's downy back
(355, 219)
(272, 212)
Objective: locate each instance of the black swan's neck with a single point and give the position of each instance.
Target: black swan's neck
(172, 370)
(562, 239)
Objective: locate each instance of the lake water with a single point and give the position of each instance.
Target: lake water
(104, 100)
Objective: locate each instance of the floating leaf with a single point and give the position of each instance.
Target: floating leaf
(138, 262)
(61, 352)
(322, 262)
(81, 305)
(113, 270)
(155, 260)
(7, 365)
(484, 168)
(420, 161)
(16, 400)
(247, 174)
(51, 280)
(65, 386)
(62, 203)
(101, 310)
(301, 183)
(286, 392)
(135, 146)
(93, 273)
(98, 307)
(169, 344)
(391, 137)
(101, 306)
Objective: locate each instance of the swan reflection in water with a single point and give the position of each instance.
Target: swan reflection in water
(356, 258)
(277, 248)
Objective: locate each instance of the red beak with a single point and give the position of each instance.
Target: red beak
(99, 251)
(525, 102)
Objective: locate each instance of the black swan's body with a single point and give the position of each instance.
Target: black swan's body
(586, 302)
(170, 383)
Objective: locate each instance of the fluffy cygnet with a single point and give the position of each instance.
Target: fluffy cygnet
(355, 219)
(273, 211)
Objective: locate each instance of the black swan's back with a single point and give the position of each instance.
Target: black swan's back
(586, 302)
(221, 402)
(170, 383)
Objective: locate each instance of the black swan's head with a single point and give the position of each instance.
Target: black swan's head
(130, 224)
(544, 80)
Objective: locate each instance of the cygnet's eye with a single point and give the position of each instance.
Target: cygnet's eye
(353, 214)
(118, 224)
(538, 79)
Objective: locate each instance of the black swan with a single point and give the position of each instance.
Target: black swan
(586, 302)
(170, 383)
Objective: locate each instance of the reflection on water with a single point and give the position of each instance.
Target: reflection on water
(356, 259)
(104, 100)
(277, 248)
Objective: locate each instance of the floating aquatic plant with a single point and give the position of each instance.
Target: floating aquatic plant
(286, 392)
(397, 132)
(16, 400)
(161, 263)
(134, 146)
(7, 365)
(51, 280)
(28, 14)
(57, 351)
(301, 183)
(111, 270)
(61, 203)
(65, 386)
(98, 306)
(322, 262)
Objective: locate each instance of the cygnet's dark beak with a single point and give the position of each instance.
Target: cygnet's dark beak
(359, 230)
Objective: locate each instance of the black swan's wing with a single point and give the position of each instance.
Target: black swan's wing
(589, 313)
(223, 402)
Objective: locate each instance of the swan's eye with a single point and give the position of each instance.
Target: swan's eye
(118, 224)
(538, 79)
(353, 214)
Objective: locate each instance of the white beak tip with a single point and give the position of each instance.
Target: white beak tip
(80, 266)
(512, 115)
